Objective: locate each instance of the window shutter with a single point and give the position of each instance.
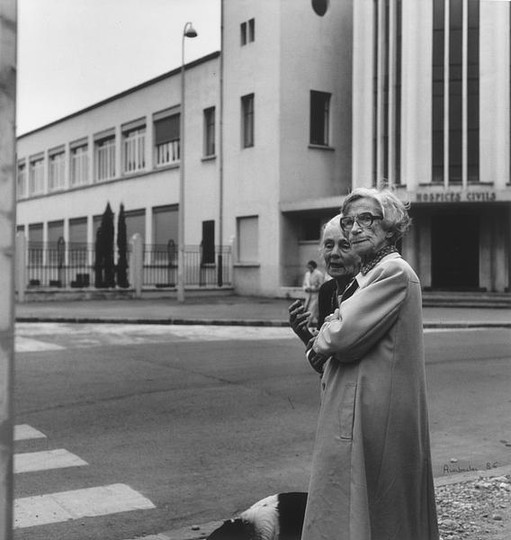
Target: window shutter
(166, 129)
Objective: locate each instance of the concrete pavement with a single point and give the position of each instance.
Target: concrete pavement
(225, 310)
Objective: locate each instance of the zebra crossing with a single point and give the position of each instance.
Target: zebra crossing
(64, 506)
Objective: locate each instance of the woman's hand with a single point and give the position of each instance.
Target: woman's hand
(298, 319)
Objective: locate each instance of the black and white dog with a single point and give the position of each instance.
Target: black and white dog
(278, 517)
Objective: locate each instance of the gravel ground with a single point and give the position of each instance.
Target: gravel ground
(475, 510)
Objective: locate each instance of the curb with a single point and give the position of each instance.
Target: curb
(225, 322)
(200, 532)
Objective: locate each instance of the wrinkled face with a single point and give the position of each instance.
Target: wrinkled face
(339, 258)
(366, 239)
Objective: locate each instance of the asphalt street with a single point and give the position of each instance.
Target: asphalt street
(189, 424)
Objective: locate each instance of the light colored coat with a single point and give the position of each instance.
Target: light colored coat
(371, 472)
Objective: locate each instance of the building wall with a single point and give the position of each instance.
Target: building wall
(145, 189)
(251, 179)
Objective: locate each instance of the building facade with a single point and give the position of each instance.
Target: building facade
(308, 99)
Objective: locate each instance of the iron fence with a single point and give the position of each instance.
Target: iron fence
(72, 265)
(202, 268)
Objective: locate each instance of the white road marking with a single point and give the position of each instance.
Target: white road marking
(45, 460)
(24, 344)
(24, 432)
(67, 335)
(58, 336)
(76, 504)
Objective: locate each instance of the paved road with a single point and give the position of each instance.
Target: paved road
(151, 428)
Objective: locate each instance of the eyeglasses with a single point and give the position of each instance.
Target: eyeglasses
(364, 220)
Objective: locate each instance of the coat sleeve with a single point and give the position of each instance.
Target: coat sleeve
(364, 318)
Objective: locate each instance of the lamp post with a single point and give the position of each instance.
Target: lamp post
(190, 32)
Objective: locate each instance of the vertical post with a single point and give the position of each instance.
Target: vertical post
(181, 232)
(8, 29)
(464, 95)
(220, 280)
(188, 31)
(21, 266)
(137, 264)
(447, 33)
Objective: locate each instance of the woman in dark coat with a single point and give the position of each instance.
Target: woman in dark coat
(341, 263)
(371, 472)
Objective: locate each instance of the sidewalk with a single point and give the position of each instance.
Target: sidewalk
(225, 310)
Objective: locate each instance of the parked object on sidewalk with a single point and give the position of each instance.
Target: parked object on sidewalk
(277, 517)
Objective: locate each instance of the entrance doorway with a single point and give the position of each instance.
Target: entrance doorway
(455, 251)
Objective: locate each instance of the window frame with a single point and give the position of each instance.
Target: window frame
(319, 118)
(209, 149)
(248, 120)
(79, 162)
(57, 170)
(133, 149)
(107, 143)
(21, 179)
(170, 149)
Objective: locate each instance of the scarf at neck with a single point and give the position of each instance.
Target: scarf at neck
(378, 256)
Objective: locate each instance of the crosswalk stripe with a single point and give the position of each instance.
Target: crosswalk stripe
(24, 432)
(24, 344)
(45, 460)
(76, 504)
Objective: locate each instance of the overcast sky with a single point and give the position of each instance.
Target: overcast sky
(73, 53)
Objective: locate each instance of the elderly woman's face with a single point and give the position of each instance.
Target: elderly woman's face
(365, 239)
(339, 258)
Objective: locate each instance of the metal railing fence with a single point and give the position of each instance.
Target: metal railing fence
(72, 265)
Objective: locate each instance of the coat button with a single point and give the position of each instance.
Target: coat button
(323, 385)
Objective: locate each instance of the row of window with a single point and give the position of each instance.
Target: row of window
(166, 136)
(166, 133)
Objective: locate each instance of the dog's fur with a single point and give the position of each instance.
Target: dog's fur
(278, 517)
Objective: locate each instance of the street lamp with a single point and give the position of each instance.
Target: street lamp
(190, 32)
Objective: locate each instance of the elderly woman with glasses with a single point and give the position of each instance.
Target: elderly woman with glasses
(371, 471)
(341, 264)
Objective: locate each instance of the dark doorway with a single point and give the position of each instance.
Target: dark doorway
(455, 251)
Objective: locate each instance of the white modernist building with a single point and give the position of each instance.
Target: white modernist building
(307, 100)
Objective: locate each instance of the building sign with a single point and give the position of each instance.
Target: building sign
(456, 196)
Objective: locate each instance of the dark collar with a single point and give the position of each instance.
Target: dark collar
(373, 261)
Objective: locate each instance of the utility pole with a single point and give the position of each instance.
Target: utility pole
(8, 30)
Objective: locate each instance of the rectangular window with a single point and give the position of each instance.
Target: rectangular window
(165, 235)
(248, 239)
(105, 158)
(77, 245)
(134, 150)
(79, 165)
(166, 139)
(21, 181)
(56, 171)
(251, 30)
(36, 176)
(247, 32)
(209, 131)
(319, 118)
(243, 33)
(35, 244)
(135, 223)
(208, 242)
(247, 117)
